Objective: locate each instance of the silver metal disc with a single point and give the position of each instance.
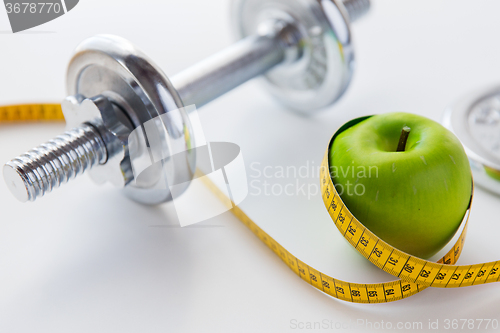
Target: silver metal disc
(324, 70)
(113, 67)
(475, 120)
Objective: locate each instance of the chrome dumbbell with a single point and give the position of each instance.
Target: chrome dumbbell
(302, 47)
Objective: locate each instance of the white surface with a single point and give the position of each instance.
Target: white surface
(85, 259)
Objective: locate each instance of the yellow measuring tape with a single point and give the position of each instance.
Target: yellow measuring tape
(31, 112)
(414, 274)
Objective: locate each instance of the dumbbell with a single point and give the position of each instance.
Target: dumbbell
(302, 48)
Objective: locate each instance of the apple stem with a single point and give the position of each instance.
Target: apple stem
(402, 139)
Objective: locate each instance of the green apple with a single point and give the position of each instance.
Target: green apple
(414, 199)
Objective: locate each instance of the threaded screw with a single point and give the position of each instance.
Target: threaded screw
(53, 163)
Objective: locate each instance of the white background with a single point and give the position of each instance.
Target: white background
(85, 259)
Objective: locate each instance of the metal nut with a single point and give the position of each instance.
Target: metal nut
(114, 127)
